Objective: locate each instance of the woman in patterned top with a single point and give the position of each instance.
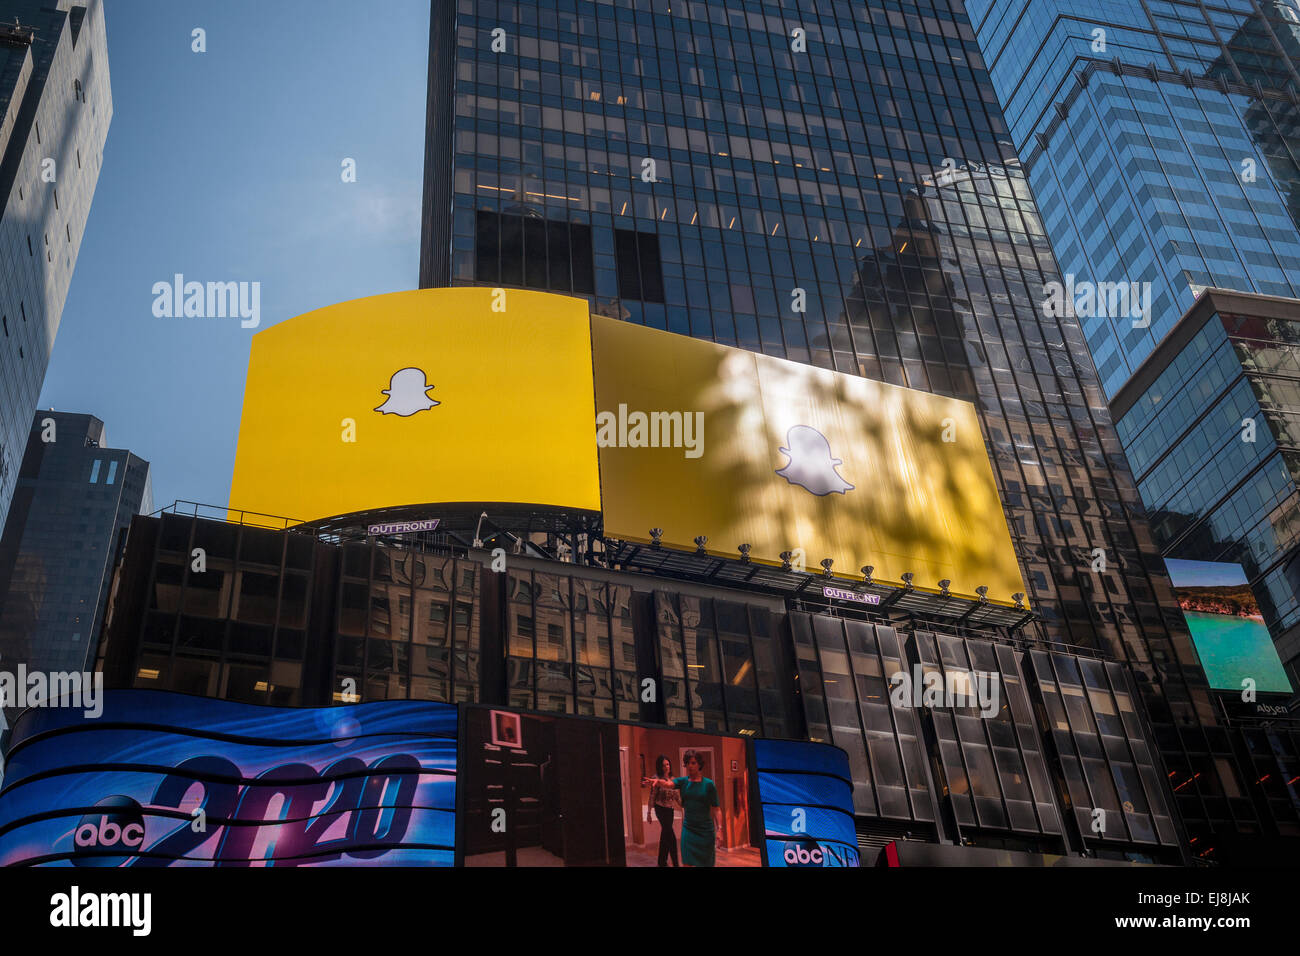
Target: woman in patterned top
(664, 802)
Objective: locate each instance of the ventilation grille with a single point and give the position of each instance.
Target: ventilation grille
(874, 835)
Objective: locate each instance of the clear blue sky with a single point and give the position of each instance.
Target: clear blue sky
(225, 166)
(1208, 574)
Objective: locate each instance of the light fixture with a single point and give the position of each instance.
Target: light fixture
(478, 528)
(983, 592)
(826, 567)
(655, 535)
(867, 570)
(943, 588)
(907, 580)
(744, 553)
(1019, 598)
(700, 541)
(785, 560)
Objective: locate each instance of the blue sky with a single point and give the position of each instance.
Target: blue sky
(225, 166)
(1191, 574)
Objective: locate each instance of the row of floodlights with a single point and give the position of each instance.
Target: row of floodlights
(867, 570)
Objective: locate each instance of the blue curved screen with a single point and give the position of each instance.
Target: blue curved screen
(163, 779)
(806, 791)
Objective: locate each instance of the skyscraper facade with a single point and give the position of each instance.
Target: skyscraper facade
(74, 497)
(1161, 140)
(830, 182)
(55, 108)
(1211, 424)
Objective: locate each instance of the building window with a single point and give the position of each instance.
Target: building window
(94, 472)
(533, 252)
(112, 472)
(640, 276)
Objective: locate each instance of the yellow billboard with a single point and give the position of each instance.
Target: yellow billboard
(475, 395)
(789, 457)
(449, 395)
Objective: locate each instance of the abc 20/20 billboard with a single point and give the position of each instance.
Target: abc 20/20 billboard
(447, 396)
(172, 780)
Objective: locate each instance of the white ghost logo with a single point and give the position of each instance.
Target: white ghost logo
(406, 393)
(811, 465)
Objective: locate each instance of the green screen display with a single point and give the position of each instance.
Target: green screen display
(1227, 627)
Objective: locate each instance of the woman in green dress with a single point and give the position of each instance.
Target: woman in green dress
(702, 814)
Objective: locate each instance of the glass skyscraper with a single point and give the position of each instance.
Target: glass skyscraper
(831, 182)
(57, 551)
(1162, 142)
(55, 108)
(1211, 424)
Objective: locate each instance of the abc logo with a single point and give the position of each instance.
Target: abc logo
(796, 854)
(117, 823)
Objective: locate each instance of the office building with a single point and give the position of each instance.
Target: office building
(1161, 142)
(833, 183)
(292, 616)
(55, 108)
(1211, 421)
(74, 497)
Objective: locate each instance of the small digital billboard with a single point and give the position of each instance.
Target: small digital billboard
(806, 792)
(553, 790)
(1227, 627)
(164, 779)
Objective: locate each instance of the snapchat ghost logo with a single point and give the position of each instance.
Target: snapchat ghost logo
(406, 393)
(811, 465)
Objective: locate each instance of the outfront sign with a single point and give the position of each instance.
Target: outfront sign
(840, 594)
(403, 527)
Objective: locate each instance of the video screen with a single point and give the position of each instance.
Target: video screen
(540, 790)
(806, 792)
(169, 780)
(1227, 627)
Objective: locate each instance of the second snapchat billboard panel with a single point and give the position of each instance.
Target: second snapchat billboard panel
(785, 456)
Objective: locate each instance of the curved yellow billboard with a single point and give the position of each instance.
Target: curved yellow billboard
(481, 395)
(415, 397)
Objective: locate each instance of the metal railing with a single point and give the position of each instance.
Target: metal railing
(195, 509)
